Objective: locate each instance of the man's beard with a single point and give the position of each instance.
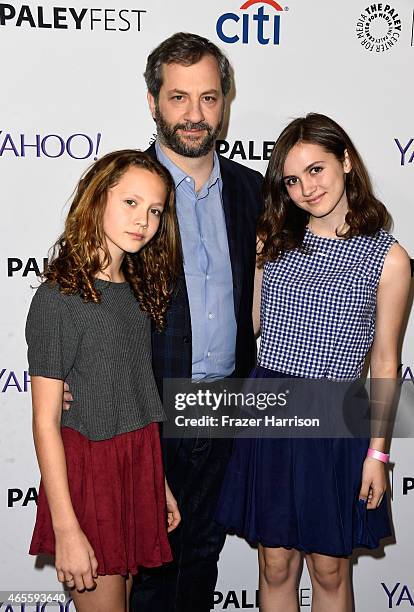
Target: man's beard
(168, 135)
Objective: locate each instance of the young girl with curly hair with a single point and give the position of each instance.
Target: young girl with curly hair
(104, 506)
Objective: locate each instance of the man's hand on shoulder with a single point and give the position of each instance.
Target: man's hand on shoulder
(67, 397)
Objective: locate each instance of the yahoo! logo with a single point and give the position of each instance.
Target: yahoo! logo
(77, 146)
(406, 151)
(54, 606)
(398, 595)
(264, 27)
(406, 374)
(9, 379)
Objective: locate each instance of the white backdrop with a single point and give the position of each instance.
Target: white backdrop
(72, 88)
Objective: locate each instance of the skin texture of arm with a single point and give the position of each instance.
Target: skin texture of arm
(257, 291)
(258, 277)
(75, 560)
(392, 297)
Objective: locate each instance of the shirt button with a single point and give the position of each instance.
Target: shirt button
(187, 178)
(208, 354)
(208, 276)
(186, 339)
(211, 315)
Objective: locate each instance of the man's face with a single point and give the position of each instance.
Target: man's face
(190, 107)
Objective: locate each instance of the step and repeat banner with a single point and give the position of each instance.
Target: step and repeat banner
(72, 89)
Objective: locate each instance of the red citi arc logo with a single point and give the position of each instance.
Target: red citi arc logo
(259, 26)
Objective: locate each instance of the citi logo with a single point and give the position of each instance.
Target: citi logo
(262, 26)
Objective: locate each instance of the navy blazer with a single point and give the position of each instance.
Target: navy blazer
(172, 348)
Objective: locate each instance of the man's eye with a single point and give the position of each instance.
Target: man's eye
(209, 99)
(178, 98)
(130, 202)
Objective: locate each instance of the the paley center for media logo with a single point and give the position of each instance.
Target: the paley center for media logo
(378, 27)
(255, 22)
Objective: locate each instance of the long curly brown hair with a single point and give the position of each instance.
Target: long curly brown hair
(76, 257)
(281, 226)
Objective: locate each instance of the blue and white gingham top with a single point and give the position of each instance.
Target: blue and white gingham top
(318, 306)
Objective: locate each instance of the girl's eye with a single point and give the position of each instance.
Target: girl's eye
(130, 202)
(156, 212)
(316, 170)
(291, 181)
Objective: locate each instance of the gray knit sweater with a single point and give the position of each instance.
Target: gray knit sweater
(103, 351)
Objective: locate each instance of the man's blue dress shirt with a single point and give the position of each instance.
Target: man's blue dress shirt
(207, 269)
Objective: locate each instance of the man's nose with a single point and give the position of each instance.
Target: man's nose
(194, 112)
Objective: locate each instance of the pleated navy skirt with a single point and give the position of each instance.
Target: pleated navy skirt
(300, 493)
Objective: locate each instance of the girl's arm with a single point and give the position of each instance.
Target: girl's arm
(257, 291)
(392, 297)
(258, 277)
(75, 560)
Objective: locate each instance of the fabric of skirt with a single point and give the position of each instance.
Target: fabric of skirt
(300, 493)
(118, 494)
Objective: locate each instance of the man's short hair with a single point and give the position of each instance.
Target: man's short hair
(185, 49)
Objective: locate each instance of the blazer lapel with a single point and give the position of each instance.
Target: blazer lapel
(230, 204)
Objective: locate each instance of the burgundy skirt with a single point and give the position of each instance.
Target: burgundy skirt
(118, 495)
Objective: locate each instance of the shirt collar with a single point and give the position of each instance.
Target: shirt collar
(179, 175)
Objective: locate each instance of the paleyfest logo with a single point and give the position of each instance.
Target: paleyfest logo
(378, 27)
(262, 25)
(69, 18)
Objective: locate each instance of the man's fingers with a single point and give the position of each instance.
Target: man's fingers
(67, 399)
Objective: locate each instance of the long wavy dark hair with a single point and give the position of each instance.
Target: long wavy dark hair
(281, 226)
(76, 257)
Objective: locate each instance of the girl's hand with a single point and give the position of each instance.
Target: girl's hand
(75, 560)
(173, 514)
(374, 482)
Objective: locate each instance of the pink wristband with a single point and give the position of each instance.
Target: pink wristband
(378, 455)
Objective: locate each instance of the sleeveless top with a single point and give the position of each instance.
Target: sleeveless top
(318, 306)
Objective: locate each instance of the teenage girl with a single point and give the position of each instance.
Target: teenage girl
(333, 285)
(104, 506)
